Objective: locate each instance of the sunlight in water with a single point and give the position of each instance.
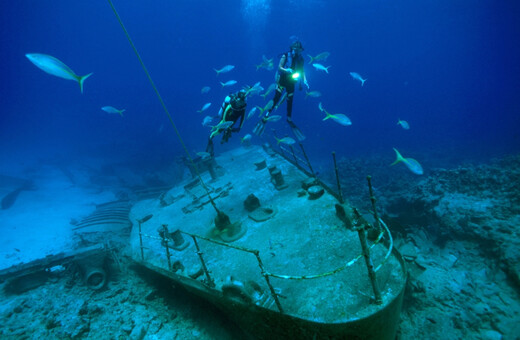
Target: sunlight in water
(255, 12)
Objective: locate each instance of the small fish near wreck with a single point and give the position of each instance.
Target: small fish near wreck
(266, 63)
(246, 139)
(338, 118)
(252, 112)
(273, 118)
(285, 140)
(228, 83)
(224, 69)
(404, 124)
(410, 163)
(207, 120)
(357, 76)
(313, 94)
(111, 109)
(204, 107)
(321, 56)
(320, 67)
(55, 67)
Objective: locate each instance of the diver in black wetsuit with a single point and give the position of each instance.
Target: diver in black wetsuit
(290, 71)
(233, 108)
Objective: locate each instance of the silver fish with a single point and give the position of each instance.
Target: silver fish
(245, 139)
(313, 94)
(204, 107)
(285, 140)
(255, 89)
(269, 90)
(111, 109)
(252, 112)
(267, 107)
(339, 118)
(410, 163)
(321, 56)
(224, 69)
(358, 77)
(273, 118)
(207, 120)
(404, 124)
(321, 67)
(228, 83)
(55, 67)
(222, 125)
(266, 63)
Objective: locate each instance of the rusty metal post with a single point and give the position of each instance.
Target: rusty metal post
(360, 227)
(307, 160)
(294, 155)
(141, 240)
(209, 280)
(141, 221)
(165, 240)
(337, 178)
(271, 288)
(373, 200)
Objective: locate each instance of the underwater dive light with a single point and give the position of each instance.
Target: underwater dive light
(296, 75)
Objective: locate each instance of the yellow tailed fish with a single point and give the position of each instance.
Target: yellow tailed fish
(55, 67)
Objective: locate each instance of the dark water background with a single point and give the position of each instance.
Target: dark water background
(450, 68)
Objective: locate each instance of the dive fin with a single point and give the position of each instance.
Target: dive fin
(297, 133)
(260, 127)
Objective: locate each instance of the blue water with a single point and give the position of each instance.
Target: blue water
(450, 68)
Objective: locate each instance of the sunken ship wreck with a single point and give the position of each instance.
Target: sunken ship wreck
(278, 251)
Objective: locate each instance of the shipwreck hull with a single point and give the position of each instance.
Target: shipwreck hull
(293, 267)
(262, 323)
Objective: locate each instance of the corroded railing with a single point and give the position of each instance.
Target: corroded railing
(166, 243)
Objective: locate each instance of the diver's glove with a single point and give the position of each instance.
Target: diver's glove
(289, 70)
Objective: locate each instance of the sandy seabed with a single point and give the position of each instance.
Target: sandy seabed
(457, 228)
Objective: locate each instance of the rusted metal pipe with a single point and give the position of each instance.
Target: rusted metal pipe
(266, 277)
(337, 178)
(165, 240)
(360, 226)
(141, 221)
(209, 280)
(373, 200)
(307, 160)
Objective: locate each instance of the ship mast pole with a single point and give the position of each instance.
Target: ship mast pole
(360, 227)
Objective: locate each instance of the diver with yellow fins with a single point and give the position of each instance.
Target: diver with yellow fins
(290, 71)
(233, 108)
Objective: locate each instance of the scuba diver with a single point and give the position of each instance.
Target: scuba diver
(233, 107)
(290, 71)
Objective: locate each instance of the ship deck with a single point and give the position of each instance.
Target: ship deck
(312, 260)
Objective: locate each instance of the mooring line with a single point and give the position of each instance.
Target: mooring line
(190, 159)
